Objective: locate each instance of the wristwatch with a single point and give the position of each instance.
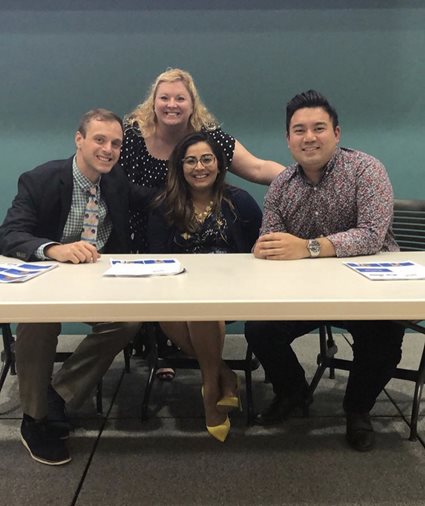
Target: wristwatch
(313, 246)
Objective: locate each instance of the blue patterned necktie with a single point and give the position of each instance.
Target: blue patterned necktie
(91, 218)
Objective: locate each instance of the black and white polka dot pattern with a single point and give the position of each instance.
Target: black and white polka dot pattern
(145, 170)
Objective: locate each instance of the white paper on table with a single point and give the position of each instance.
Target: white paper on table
(19, 273)
(145, 267)
(382, 271)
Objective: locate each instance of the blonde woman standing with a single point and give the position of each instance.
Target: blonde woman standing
(172, 110)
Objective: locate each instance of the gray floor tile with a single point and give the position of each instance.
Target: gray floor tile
(171, 459)
(25, 482)
(9, 399)
(421, 428)
(298, 464)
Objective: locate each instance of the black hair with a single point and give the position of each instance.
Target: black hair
(310, 98)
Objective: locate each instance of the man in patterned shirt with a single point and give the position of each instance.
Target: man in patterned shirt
(45, 222)
(331, 202)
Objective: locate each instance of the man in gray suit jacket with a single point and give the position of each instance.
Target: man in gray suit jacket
(45, 222)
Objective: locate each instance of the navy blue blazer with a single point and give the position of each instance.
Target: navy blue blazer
(40, 209)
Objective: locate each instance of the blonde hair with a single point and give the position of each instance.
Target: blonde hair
(144, 114)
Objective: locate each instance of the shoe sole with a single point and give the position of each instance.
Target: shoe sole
(44, 461)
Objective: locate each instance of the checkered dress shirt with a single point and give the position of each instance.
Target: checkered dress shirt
(74, 223)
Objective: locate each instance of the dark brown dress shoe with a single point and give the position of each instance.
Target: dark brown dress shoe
(360, 434)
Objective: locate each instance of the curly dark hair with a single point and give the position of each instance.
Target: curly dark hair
(177, 195)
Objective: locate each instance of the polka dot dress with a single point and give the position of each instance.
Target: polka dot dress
(145, 170)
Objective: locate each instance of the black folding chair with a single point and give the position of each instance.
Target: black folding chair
(8, 354)
(409, 232)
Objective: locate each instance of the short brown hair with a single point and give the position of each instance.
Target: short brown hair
(99, 115)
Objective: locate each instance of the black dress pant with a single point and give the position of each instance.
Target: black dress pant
(376, 353)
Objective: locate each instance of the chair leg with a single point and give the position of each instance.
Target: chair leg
(13, 365)
(248, 393)
(144, 415)
(4, 371)
(152, 360)
(417, 399)
(128, 350)
(248, 387)
(99, 398)
(8, 355)
(324, 358)
(330, 343)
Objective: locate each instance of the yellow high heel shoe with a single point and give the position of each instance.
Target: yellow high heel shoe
(232, 401)
(221, 431)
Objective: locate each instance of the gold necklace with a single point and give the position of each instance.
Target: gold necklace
(201, 216)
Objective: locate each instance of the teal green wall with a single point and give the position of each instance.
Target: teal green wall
(60, 58)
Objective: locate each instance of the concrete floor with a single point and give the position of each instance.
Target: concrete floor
(171, 459)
